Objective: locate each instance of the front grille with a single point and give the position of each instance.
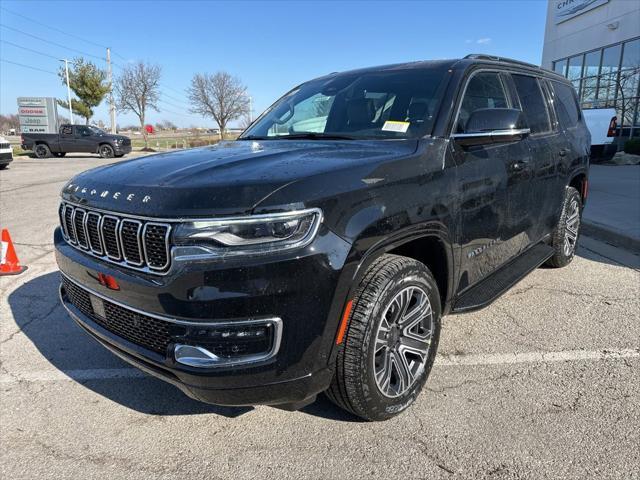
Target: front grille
(143, 330)
(4, 146)
(143, 245)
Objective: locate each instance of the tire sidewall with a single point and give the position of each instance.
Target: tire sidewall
(42, 148)
(380, 406)
(104, 147)
(570, 195)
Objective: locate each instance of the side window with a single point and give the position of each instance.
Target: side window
(566, 105)
(83, 131)
(533, 103)
(66, 130)
(484, 90)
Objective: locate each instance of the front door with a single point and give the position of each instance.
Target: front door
(491, 179)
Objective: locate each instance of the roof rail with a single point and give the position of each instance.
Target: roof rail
(483, 56)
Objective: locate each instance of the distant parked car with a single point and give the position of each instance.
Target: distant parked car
(6, 153)
(76, 138)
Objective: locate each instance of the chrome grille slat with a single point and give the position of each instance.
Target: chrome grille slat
(136, 244)
(78, 223)
(130, 241)
(92, 225)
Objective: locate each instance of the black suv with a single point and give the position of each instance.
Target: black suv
(320, 250)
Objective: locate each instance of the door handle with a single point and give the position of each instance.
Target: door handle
(563, 152)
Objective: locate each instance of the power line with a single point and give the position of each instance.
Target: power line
(173, 104)
(28, 66)
(29, 49)
(52, 43)
(52, 28)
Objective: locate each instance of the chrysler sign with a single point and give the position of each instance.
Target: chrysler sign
(566, 9)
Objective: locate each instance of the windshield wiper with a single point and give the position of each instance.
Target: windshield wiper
(313, 136)
(300, 136)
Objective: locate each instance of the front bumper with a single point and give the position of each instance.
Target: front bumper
(122, 149)
(6, 157)
(304, 292)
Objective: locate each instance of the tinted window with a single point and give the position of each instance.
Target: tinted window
(66, 130)
(566, 106)
(83, 131)
(484, 90)
(533, 103)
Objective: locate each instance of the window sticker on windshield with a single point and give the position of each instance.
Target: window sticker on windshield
(392, 126)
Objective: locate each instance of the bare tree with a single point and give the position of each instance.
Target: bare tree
(138, 89)
(219, 96)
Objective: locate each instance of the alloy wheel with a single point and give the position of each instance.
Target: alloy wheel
(571, 227)
(402, 341)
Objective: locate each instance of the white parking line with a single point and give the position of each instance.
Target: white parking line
(536, 357)
(442, 360)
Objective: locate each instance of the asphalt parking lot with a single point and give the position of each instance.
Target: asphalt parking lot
(545, 383)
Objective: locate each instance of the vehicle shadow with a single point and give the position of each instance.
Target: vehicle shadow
(38, 313)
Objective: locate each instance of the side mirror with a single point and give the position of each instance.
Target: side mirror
(493, 125)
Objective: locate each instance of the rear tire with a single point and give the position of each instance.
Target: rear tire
(391, 340)
(567, 231)
(106, 151)
(2, 167)
(42, 151)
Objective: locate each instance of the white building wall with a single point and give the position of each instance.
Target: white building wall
(589, 30)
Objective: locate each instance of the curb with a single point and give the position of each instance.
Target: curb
(608, 235)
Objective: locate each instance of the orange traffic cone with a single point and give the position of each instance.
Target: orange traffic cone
(9, 263)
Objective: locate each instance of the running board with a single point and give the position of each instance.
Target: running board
(489, 289)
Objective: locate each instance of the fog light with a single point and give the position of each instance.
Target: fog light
(229, 344)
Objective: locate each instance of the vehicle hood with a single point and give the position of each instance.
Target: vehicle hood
(230, 178)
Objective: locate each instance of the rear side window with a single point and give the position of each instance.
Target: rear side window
(66, 130)
(484, 90)
(566, 105)
(533, 103)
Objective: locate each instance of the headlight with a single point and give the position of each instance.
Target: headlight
(252, 234)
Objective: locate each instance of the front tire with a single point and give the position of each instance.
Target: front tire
(42, 151)
(567, 231)
(391, 340)
(106, 151)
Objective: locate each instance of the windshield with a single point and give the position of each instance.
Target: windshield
(383, 104)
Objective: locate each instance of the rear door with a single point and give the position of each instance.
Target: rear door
(547, 146)
(66, 139)
(490, 180)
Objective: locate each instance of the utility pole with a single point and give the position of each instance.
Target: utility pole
(112, 107)
(66, 69)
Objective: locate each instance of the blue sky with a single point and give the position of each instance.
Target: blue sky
(270, 46)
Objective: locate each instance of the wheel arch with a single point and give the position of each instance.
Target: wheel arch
(579, 180)
(430, 246)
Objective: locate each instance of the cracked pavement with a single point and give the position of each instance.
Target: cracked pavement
(520, 401)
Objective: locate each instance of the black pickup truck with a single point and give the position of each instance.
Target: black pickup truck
(76, 138)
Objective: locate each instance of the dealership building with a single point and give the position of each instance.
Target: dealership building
(596, 44)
